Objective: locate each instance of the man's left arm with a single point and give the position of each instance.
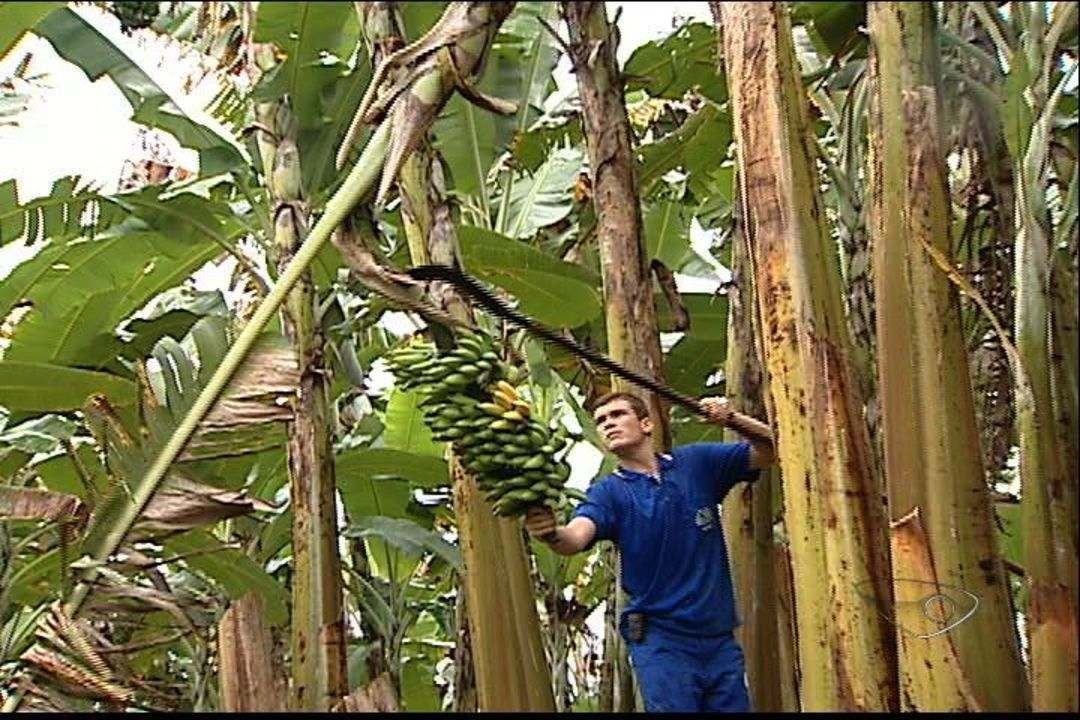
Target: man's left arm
(757, 433)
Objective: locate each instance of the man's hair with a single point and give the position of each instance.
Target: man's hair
(639, 406)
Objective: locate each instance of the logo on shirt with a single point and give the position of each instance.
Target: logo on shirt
(705, 518)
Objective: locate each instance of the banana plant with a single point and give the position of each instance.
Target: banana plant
(1029, 45)
(465, 32)
(65, 661)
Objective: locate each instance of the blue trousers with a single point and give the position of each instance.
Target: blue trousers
(679, 673)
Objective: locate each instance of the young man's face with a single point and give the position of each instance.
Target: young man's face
(620, 427)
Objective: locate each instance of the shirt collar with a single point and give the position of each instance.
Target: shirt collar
(666, 460)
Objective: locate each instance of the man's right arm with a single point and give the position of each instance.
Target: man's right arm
(567, 539)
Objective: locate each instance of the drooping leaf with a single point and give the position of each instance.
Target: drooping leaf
(546, 196)
(835, 24)
(183, 504)
(249, 414)
(33, 504)
(18, 17)
(420, 470)
(405, 429)
(406, 536)
(691, 361)
(708, 316)
(364, 495)
(554, 292)
(80, 43)
(130, 453)
(684, 60)
(41, 387)
(235, 572)
(81, 290)
(1017, 116)
(308, 34)
(667, 233)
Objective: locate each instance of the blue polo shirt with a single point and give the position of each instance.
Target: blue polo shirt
(674, 560)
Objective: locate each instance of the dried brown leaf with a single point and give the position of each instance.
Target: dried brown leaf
(261, 391)
(184, 504)
(34, 504)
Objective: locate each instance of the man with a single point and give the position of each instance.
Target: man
(662, 513)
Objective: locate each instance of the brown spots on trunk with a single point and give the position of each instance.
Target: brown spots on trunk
(990, 570)
(1052, 602)
(845, 692)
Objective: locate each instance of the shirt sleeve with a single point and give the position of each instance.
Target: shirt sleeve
(727, 465)
(599, 506)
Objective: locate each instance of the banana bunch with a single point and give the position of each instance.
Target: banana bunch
(472, 404)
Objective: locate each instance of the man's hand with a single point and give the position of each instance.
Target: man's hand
(540, 523)
(718, 410)
(762, 449)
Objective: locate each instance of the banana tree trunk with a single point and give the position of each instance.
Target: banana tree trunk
(1064, 339)
(318, 624)
(464, 670)
(748, 510)
(943, 533)
(510, 669)
(502, 624)
(246, 678)
(787, 632)
(511, 672)
(1048, 508)
(632, 335)
(835, 515)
